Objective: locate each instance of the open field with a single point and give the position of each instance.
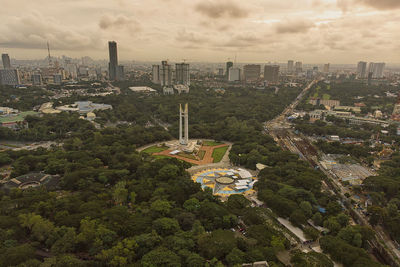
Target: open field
(212, 143)
(155, 149)
(218, 153)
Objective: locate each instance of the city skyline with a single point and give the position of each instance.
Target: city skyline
(315, 31)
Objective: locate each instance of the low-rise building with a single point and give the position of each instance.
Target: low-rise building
(16, 121)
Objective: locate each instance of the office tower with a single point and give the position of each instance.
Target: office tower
(234, 74)
(184, 117)
(298, 66)
(36, 79)
(370, 74)
(9, 77)
(72, 70)
(229, 65)
(315, 68)
(361, 69)
(120, 73)
(57, 79)
(376, 69)
(251, 72)
(165, 74)
(271, 73)
(113, 64)
(220, 72)
(326, 68)
(6, 61)
(290, 65)
(182, 74)
(155, 74)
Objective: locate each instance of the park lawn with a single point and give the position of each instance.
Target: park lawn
(219, 153)
(212, 143)
(186, 155)
(201, 154)
(155, 149)
(326, 97)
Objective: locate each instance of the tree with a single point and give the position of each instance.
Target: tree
(297, 218)
(121, 254)
(305, 206)
(161, 207)
(317, 218)
(160, 257)
(120, 193)
(217, 244)
(192, 204)
(236, 256)
(166, 226)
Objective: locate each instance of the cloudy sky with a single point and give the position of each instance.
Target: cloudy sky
(313, 31)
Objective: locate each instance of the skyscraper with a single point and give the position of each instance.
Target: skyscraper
(361, 70)
(6, 61)
(298, 66)
(182, 74)
(271, 73)
(290, 65)
(9, 77)
(234, 74)
(251, 72)
(376, 69)
(165, 74)
(326, 68)
(113, 64)
(120, 73)
(155, 74)
(229, 65)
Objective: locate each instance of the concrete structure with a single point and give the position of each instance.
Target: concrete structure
(362, 70)
(220, 72)
(57, 78)
(32, 180)
(234, 74)
(229, 65)
(326, 68)
(271, 73)
(165, 74)
(290, 66)
(16, 121)
(168, 90)
(298, 67)
(184, 118)
(182, 74)
(329, 103)
(155, 71)
(113, 63)
(182, 88)
(120, 73)
(6, 61)
(142, 89)
(9, 77)
(251, 72)
(376, 69)
(84, 107)
(36, 79)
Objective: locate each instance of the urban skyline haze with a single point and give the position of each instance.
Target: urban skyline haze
(315, 31)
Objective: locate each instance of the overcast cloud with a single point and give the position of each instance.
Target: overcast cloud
(315, 31)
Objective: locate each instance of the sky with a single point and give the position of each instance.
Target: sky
(312, 31)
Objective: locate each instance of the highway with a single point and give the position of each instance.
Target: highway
(281, 130)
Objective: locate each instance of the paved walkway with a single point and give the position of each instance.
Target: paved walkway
(207, 159)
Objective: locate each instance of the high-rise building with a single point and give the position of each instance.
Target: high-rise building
(251, 72)
(229, 65)
(182, 74)
(155, 74)
(113, 64)
(120, 73)
(220, 72)
(9, 77)
(376, 69)
(271, 73)
(6, 61)
(57, 78)
(290, 65)
(361, 70)
(298, 66)
(326, 68)
(36, 79)
(165, 74)
(234, 74)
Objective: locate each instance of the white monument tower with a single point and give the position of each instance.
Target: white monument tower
(184, 140)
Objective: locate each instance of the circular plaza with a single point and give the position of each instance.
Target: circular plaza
(224, 182)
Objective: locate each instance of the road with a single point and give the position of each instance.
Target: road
(284, 135)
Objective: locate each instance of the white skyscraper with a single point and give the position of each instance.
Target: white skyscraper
(298, 66)
(184, 118)
(234, 74)
(376, 69)
(362, 70)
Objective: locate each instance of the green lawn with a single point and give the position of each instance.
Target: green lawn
(186, 155)
(326, 97)
(218, 153)
(201, 154)
(154, 149)
(212, 143)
